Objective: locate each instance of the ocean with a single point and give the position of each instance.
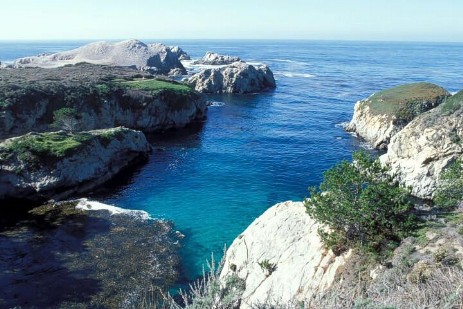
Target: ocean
(213, 179)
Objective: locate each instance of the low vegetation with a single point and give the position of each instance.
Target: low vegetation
(405, 102)
(362, 206)
(449, 193)
(35, 147)
(452, 104)
(156, 85)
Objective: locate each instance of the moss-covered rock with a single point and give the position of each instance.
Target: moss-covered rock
(382, 115)
(38, 166)
(104, 96)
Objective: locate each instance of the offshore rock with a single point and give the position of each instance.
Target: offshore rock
(216, 59)
(237, 77)
(156, 58)
(418, 154)
(378, 118)
(38, 167)
(298, 266)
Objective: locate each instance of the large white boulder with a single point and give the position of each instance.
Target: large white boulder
(287, 238)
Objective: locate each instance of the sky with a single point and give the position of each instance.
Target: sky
(377, 20)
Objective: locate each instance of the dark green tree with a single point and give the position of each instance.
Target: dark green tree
(362, 206)
(449, 193)
(67, 119)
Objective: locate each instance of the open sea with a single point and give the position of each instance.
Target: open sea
(212, 180)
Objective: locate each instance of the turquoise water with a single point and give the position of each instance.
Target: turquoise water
(214, 179)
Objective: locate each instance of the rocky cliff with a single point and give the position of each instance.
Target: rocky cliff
(418, 153)
(238, 77)
(103, 97)
(156, 58)
(39, 166)
(378, 118)
(281, 258)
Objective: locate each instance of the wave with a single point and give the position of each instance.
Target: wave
(85, 204)
(291, 61)
(293, 75)
(215, 103)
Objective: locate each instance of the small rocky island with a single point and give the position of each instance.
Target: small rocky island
(237, 77)
(154, 58)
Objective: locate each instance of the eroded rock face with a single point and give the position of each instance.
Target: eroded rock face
(238, 77)
(418, 154)
(287, 238)
(148, 57)
(382, 115)
(216, 59)
(69, 164)
(31, 96)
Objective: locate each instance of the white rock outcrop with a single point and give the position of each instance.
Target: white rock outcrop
(217, 59)
(156, 57)
(418, 154)
(181, 54)
(381, 116)
(101, 155)
(287, 238)
(238, 77)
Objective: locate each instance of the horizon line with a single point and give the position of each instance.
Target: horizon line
(227, 39)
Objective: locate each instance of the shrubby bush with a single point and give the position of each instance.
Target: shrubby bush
(449, 193)
(362, 206)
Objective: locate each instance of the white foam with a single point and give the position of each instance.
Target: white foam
(216, 103)
(85, 204)
(295, 75)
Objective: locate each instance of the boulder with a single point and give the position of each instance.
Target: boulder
(181, 54)
(238, 77)
(378, 118)
(216, 59)
(281, 258)
(40, 166)
(156, 58)
(419, 152)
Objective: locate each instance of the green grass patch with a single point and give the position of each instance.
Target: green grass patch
(406, 101)
(156, 85)
(33, 148)
(452, 104)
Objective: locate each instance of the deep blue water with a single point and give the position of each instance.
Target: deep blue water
(257, 150)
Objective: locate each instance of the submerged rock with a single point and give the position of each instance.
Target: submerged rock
(57, 256)
(418, 153)
(238, 77)
(216, 59)
(102, 96)
(281, 258)
(155, 57)
(378, 118)
(40, 166)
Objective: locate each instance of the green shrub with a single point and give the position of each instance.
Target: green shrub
(362, 206)
(449, 191)
(66, 118)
